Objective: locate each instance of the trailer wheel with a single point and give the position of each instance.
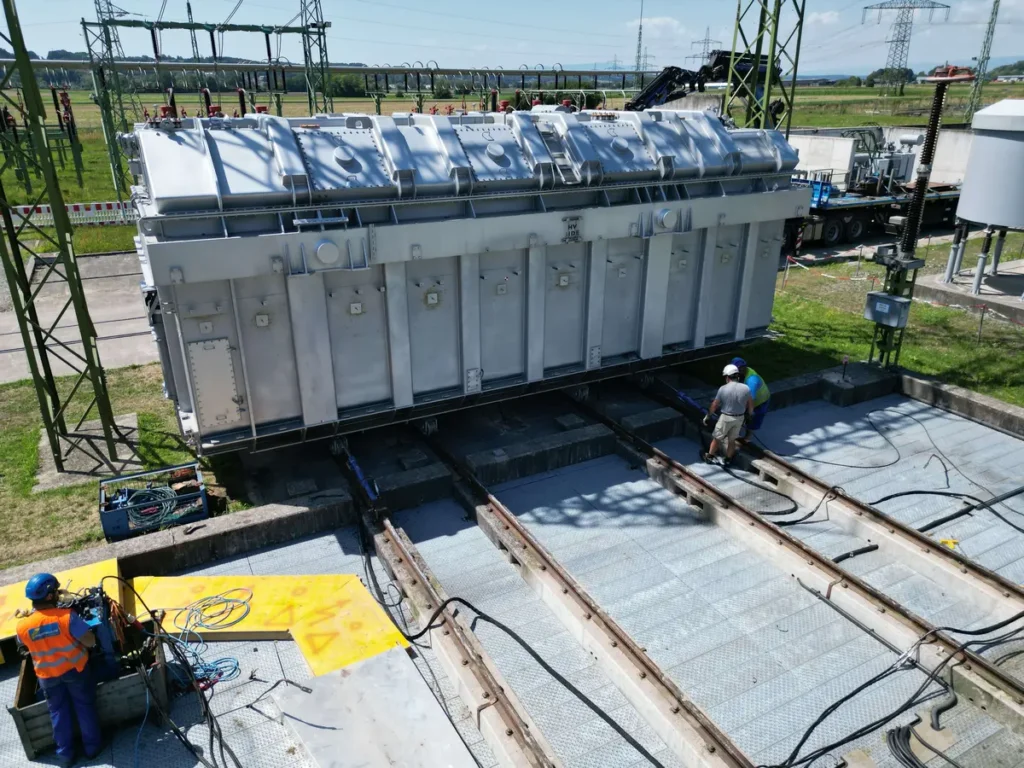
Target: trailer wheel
(832, 232)
(854, 229)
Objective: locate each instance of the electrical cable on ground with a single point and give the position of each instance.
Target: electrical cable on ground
(215, 733)
(915, 699)
(429, 625)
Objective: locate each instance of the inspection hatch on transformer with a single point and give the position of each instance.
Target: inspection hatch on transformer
(309, 276)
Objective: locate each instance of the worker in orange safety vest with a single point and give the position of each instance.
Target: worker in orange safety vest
(58, 641)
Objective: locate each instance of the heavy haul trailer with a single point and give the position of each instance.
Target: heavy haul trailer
(860, 184)
(307, 277)
(837, 217)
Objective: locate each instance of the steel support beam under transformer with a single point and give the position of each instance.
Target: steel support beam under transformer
(314, 52)
(894, 78)
(84, 395)
(763, 66)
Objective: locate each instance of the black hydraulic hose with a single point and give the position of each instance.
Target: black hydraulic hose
(429, 625)
(978, 504)
(942, 707)
(854, 553)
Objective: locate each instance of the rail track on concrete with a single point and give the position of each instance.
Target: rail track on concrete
(860, 518)
(686, 729)
(985, 684)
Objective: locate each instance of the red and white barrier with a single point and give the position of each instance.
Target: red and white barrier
(98, 214)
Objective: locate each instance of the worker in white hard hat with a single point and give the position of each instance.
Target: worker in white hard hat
(734, 405)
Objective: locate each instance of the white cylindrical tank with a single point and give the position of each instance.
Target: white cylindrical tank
(993, 190)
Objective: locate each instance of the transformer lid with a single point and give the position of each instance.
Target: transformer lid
(1005, 115)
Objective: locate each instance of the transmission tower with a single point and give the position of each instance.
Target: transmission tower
(705, 51)
(981, 69)
(314, 52)
(119, 107)
(638, 68)
(894, 76)
(763, 65)
(84, 395)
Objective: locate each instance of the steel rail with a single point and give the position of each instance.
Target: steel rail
(986, 684)
(511, 736)
(934, 558)
(505, 530)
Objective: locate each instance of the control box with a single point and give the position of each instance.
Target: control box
(884, 309)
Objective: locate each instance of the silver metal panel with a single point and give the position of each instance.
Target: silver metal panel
(264, 322)
(753, 249)
(502, 318)
(343, 159)
(312, 338)
(657, 263)
(766, 268)
(433, 298)
(709, 247)
(470, 320)
(535, 306)
(565, 305)
(596, 273)
(397, 299)
(726, 269)
(624, 269)
(213, 378)
(683, 287)
(358, 318)
(493, 152)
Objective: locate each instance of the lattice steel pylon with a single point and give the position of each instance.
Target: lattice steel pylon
(899, 36)
(314, 52)
(638, 66)
(763, 66)
(981, 69)
(705, 44)
(59, 401)
(119, 106)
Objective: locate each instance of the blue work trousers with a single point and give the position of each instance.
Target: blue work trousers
(73, 692)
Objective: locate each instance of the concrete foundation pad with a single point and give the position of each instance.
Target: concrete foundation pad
(1001, 293)
(856, 383)
(226, 536)
(973, 405)
(377, 712)
(90, 461)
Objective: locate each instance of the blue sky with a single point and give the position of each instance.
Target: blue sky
(511, 33)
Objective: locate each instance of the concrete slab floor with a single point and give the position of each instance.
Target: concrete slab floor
(115, 305)
(761, 655)
(251, 721)
(468, 565)
(887, 446)
(1002, 293)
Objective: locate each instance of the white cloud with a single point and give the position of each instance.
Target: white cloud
(664, 28)
(823, 18)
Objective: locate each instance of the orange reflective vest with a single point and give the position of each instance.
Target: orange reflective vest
(47, 635)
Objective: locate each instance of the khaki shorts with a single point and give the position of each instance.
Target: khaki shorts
(727, 429)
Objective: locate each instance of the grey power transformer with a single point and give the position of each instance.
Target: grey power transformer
(312, 276)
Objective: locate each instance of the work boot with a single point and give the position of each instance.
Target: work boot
(707, 458)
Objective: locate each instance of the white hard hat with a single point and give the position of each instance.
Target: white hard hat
(730, 370)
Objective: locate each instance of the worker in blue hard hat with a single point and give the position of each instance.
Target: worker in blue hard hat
(58, 641)
(759, 391)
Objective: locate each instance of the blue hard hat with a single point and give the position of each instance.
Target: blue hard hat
(739, 362)
(41, 585)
